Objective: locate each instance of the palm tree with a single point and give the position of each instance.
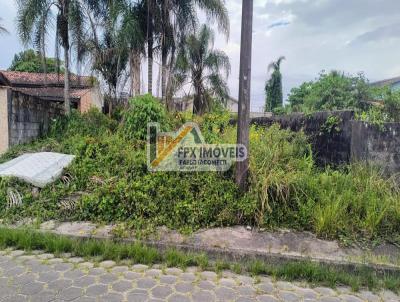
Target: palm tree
(3, 30)
(178, 19)
(198, 61)
(273, 87)
(34, 21)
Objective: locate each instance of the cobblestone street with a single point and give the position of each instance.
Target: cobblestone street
(43, 278)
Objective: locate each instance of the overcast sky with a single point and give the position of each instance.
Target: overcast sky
(313, 35)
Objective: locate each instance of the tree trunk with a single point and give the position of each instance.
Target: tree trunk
(198, 106)
(242, 167)
(169, 81)
(67, 101)
(164, 75)
(150, 47)
(164, 50)
(135, 72)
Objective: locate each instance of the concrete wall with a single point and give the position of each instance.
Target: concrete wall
(377, 145)
(4, 129)
(29, 117)
(330, 143)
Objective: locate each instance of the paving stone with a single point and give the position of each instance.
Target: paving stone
(184, 287)
(266, 287)
(267, 298)
(119, 269)
(245, 299)
(85, 265)
(140, 267)
(206, 285)
(203, 295)
(48, 276)
(43, 296)
(329, 299)
(71, 293)
(137, 297)
(306, 293)
(368, 296)
(168, 279)
(325, 291)
(178, 298)
(63, 267)
(31, 288)
(208, 275)
(96, 271)
(108, 278)
(25, 278)
(173, 271)
(289, 296)
(111, 297)
(45, 256)
(13, 272)
(190, 277)
(161, 291)
(246, 290)
(84, 281)
(145, 283)
(122, 286)
(227, 282)
(350, 298)
(153, 272)
(107, 264)
(132, 275)
(59, 284)
(76, 260)
(34, 281)
(16, 298)
(225, 294)
(96, 290)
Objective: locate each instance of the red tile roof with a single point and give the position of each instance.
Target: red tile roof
(53, 93)
(46, 86)
(28, 79)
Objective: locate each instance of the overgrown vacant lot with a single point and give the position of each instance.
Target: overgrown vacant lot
(109, 181)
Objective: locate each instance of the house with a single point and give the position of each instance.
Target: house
(84, 92)
(30, 101)
(393, 83)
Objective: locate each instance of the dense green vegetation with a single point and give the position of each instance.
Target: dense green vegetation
(133, 253)
(273, 87)
(31, 61)
(337, 91)
(109, 181)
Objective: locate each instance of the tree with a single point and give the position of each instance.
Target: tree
(273, 87)
(3, 30)
(198, 61)
(179, 19)
(331, 91)
(34, 21)
(31, 61)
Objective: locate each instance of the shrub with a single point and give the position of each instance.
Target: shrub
(143, 110)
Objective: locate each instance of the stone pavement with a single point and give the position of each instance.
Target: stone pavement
(43, 278)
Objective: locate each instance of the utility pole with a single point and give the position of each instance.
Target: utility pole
(242, 168)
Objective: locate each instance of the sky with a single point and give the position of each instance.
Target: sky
(313, 35)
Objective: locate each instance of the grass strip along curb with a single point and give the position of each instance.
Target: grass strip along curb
(99, 250)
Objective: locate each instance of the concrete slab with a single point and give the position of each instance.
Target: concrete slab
(38, 169)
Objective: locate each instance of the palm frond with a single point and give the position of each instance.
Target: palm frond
(216, 11)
